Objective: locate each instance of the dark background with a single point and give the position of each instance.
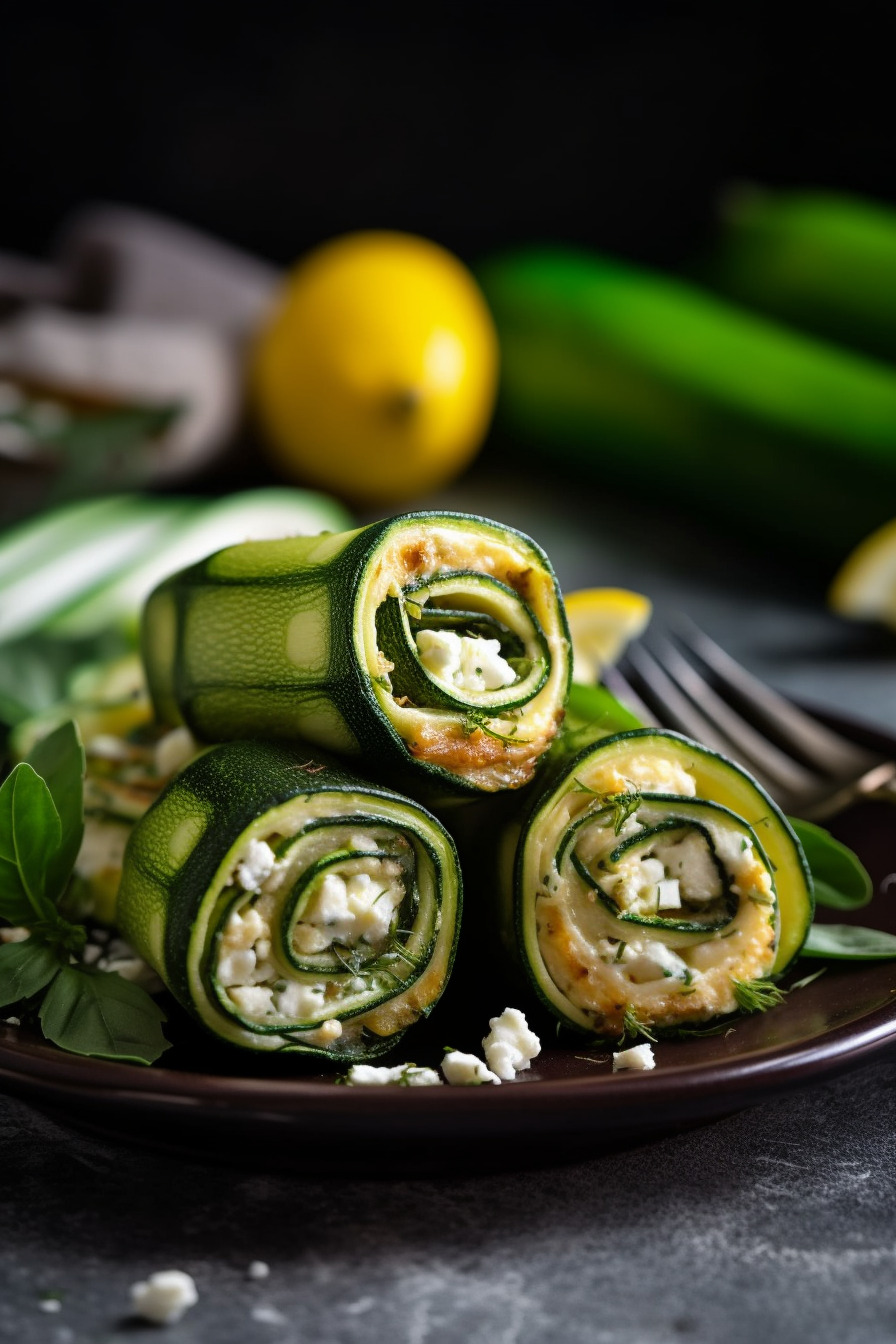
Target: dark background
(275, 125)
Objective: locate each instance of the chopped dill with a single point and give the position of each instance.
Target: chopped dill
(633, 1027)
(756, 996)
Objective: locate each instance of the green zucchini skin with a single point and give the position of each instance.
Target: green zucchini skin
(604, 364)
(558, 938)
(823, 261)
(282, 640)
(180, 886)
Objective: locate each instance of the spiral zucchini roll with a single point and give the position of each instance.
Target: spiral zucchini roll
(654, 882)
(435, 641)
(290, 906)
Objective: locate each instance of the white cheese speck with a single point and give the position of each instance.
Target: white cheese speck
(258, 1270)
(510, 1046)
(654, 961)
(668, 894)
(401, 1075)
(256, 864)
(268, 1315)
(164, 1297)
(466, 1070)
(50, 1304)
(637, 1057)
(464, 662)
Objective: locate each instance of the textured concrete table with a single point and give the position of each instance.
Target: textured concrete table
(775, 1225)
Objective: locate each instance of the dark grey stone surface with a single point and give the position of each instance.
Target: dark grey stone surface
(777, 1224)
(774, 1225)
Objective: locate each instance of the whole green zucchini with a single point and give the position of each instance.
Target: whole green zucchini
(653, 881)
(291, 906)
(431, 646)
(823, 261)
(626, 376)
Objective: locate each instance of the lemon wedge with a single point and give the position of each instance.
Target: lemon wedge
(864, 589)
(602, 621)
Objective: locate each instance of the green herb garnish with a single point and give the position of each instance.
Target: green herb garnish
(80, 1009)
(757, 996)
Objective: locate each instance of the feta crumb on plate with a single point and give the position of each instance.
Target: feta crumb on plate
(466, 1070)
(258, 1270)
(636, 1057)
(164, 1297)
(510, 1046)
(401, 1075)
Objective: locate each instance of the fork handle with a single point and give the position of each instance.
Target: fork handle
(877, 783)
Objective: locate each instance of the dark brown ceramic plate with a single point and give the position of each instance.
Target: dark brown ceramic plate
(217, 1104)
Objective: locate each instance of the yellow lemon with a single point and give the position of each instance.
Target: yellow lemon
(864, 589)
(602, 621)
(375, 376)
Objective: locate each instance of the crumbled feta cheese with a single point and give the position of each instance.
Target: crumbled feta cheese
(13, 1021)
(174, 750)
(654, 961)
(668, 894)
(346, 909)
(510, 1046)
(299, 1001)
(50, 1304)
(236, 967)
(252, 1000)
(91, 953)
(325, 1034)
(637, 1057)
(464, 662)
(466, 1070)
(256, 864)
(268, 1315)
(244, 928)
(164, 1297)
(401, 1075)
(258, 1270)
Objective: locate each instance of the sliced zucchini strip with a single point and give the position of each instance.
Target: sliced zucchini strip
(291, 906)
(650, 879)
(435, 641)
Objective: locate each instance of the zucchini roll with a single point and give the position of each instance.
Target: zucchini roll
(291, 906)
(435, 641)
(654, 883)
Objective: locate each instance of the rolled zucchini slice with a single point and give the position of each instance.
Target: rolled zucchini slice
(291, 906)
(651, 883)
(435, 642)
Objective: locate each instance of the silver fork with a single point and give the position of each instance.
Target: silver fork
(691, 684)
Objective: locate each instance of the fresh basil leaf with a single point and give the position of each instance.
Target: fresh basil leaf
(848, 942)
(59, 760)
(30, 835)
(98, 1013)
(840, 880)
(25, 969)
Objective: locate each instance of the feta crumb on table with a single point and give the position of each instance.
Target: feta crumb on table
(638, 1057)
(401, 1075)
(50, 1304)
(510, 1046)
(258, 1270)
(466, 1070)
(164, 1297)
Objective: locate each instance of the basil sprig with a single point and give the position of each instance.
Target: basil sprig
(82, 1010)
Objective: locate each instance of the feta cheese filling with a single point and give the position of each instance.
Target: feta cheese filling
(338, 948)
(652, 903)
(467, 663)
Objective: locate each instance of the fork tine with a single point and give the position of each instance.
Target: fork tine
(818, 745)
(676, 710)
(749, 746)
(624, 691)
